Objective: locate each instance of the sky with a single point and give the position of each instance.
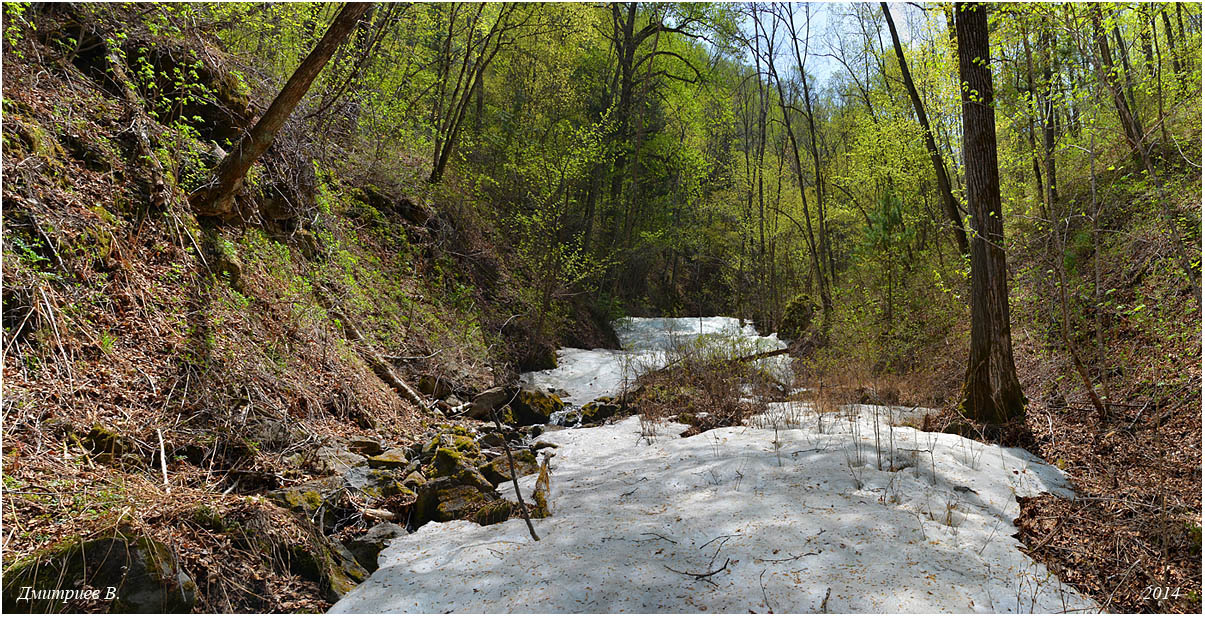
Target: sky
(832, 21)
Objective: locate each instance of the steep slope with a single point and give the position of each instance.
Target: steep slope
(162, 373)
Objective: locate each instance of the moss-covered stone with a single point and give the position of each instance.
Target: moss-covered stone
(104, 440)
(146, 573)
(446, 462)
(415, 479)
(532, 406)
(390, 459)
(497, 471)
(328, 563)
(494, 512)
(309, 498)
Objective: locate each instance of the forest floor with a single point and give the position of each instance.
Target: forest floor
(1130, 538)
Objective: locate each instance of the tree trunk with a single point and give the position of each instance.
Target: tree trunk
(1173, 50)
(939, 168)
(992, 392)
(1049, 121)
(217, 196)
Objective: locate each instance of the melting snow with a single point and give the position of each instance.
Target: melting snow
(797, 515)
(587, 374)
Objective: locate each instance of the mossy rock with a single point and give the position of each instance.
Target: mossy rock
(415, 479)
(104, 440)
(366, 548)
(209, 517)
(309, 498)
(390, 459)
(446, 462)
(146, 574)
(445, 500)
(494, 512)
(497, 471)
(532, 406)
(328, 563)
(599, 410)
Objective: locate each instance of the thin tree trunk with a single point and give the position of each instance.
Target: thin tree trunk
(217, 196)
(939, 168)
(1050, 121)
(1137, 143)
(992, 393)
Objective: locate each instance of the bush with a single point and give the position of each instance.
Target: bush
(797, 319)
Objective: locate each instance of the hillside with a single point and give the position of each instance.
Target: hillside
(414, 294)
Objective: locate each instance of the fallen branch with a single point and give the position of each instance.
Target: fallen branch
(704, 575)
(514, 478)
(659, 536)
(163, 462)
(799, 556)
(764, 597)
(379, 366)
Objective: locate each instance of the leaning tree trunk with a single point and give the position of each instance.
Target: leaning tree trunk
(216, 198)
(939, 167)
(992, 392)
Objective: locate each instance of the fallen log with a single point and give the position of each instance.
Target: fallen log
(379, 366)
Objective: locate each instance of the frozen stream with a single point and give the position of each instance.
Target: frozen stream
(586, 374)
(811, 518)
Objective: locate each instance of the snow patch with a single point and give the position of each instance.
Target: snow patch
(648, 344)
(798, 520)
(799, 512)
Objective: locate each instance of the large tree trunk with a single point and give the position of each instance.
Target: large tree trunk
(992, 392)
(939, 167)
(217, 196)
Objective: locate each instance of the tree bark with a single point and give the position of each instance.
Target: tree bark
(217, 196)
(992, 393)
(1049, 120)
(939, 168)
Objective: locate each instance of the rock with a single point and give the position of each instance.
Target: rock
(146, 574)
(309, 498)
(390, 459)
(488, 401)
(103, 440)
(599, 410)
(494, 512)
(367, 547)
(414, 480)
(446, 462)
(453, 401)
(327, 562)
(493, 440)
(459, 442)
(376, 483)
(448, 499)
(336, 459)
(366, 446)
(532, 406)
(434, 386)
(497, 471)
